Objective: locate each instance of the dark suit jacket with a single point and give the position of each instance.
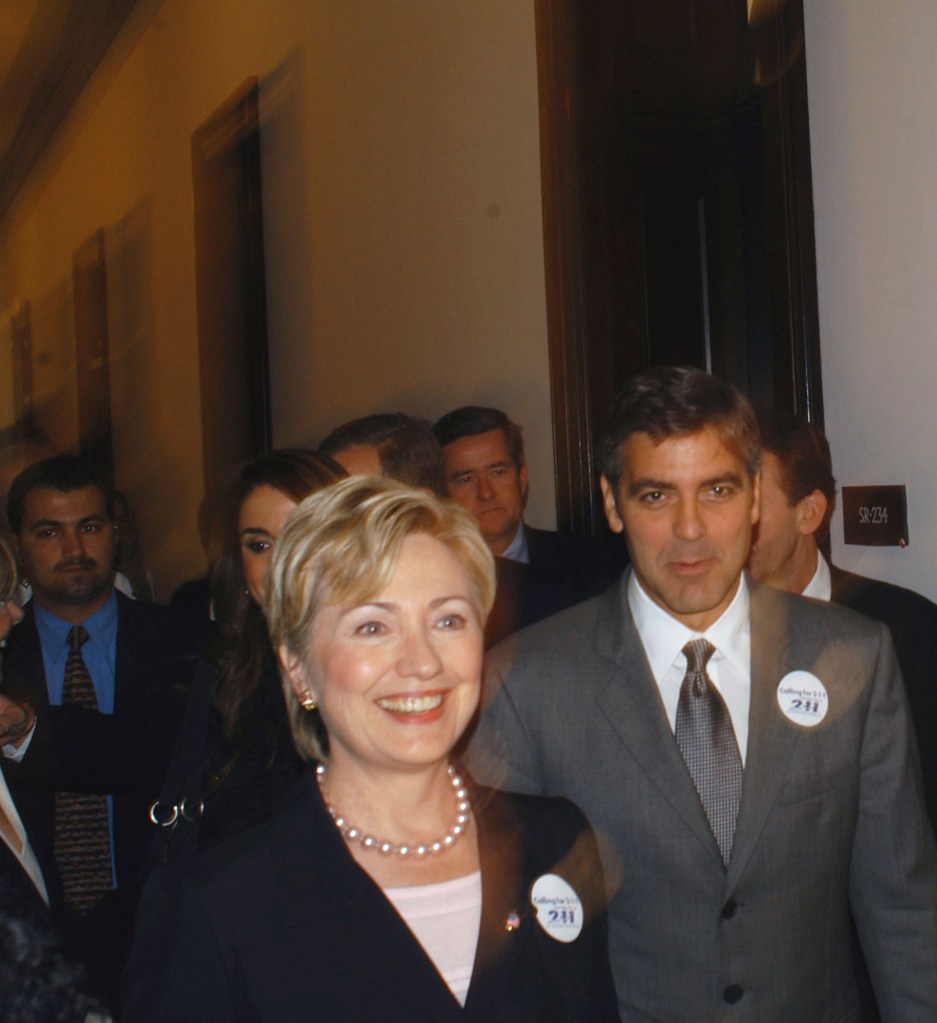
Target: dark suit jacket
(831, 817)
(281, 924)
(564, 569)
(124, 754)
(912, 622)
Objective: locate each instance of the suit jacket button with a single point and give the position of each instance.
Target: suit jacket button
(728, 910)
(732, 994)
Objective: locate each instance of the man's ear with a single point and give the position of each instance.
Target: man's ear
(811, 511)
(611, 506)
(294, 668)
(522, 483)
(756, 496)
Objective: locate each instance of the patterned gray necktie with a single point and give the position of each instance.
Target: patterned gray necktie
(82, 835)
(706, 740)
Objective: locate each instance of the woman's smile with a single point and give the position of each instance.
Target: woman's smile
(412, 706)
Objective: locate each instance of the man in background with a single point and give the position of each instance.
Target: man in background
(486, 472)
(93, 692)
(403, 448)
(798, 496)
(389, 444)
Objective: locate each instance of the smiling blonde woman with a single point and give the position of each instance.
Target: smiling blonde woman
(390, 887)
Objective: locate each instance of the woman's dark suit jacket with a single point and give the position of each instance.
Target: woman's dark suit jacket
(281, 924)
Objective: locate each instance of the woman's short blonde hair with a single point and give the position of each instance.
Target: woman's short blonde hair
(341, 545)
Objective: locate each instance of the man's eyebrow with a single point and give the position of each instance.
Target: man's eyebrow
(86, 520)
(45, 523)
(646, 483)
(726, 477)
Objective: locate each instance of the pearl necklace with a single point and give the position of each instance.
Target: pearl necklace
(352, 833)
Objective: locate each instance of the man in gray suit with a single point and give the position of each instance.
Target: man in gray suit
(744, 754)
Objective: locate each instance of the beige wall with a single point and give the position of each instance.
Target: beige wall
(403, 229)
(873, 137)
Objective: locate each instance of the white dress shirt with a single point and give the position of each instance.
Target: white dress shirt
(729, 668)
(820, 586)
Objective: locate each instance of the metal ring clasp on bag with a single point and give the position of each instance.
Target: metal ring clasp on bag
(192, 811)
(163, 819)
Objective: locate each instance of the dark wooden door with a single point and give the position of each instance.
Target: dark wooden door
(677, 207)
(231, 287)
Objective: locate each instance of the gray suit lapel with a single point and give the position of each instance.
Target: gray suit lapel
(631, 702)
(771, 741)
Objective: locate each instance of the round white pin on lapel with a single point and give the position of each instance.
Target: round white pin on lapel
(559, 908)
(803, 699)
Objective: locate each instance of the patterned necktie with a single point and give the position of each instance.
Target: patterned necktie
(706, 740)
(82, 836)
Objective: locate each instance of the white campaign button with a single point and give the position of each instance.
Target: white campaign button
(559, 908)
(803, 699)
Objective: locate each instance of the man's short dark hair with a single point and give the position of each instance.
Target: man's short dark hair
(64, 473)
(471, 420)
(676, 401)
(405, 446)
(803, 452)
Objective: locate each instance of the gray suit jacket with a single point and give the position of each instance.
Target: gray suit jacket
(831, 817)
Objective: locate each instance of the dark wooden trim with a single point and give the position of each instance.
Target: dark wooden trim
(92, 355)
(21, 341)
(790, 192)
(65, 43)
(231, 286)
(557, 57)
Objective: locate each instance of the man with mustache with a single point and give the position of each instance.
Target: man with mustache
(745, 755)
(92, 695)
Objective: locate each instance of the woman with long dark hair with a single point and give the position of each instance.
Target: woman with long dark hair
(235, 758)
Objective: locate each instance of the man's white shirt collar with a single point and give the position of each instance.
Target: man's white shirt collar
(729, 669)
(664, 637)
(820, 586)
